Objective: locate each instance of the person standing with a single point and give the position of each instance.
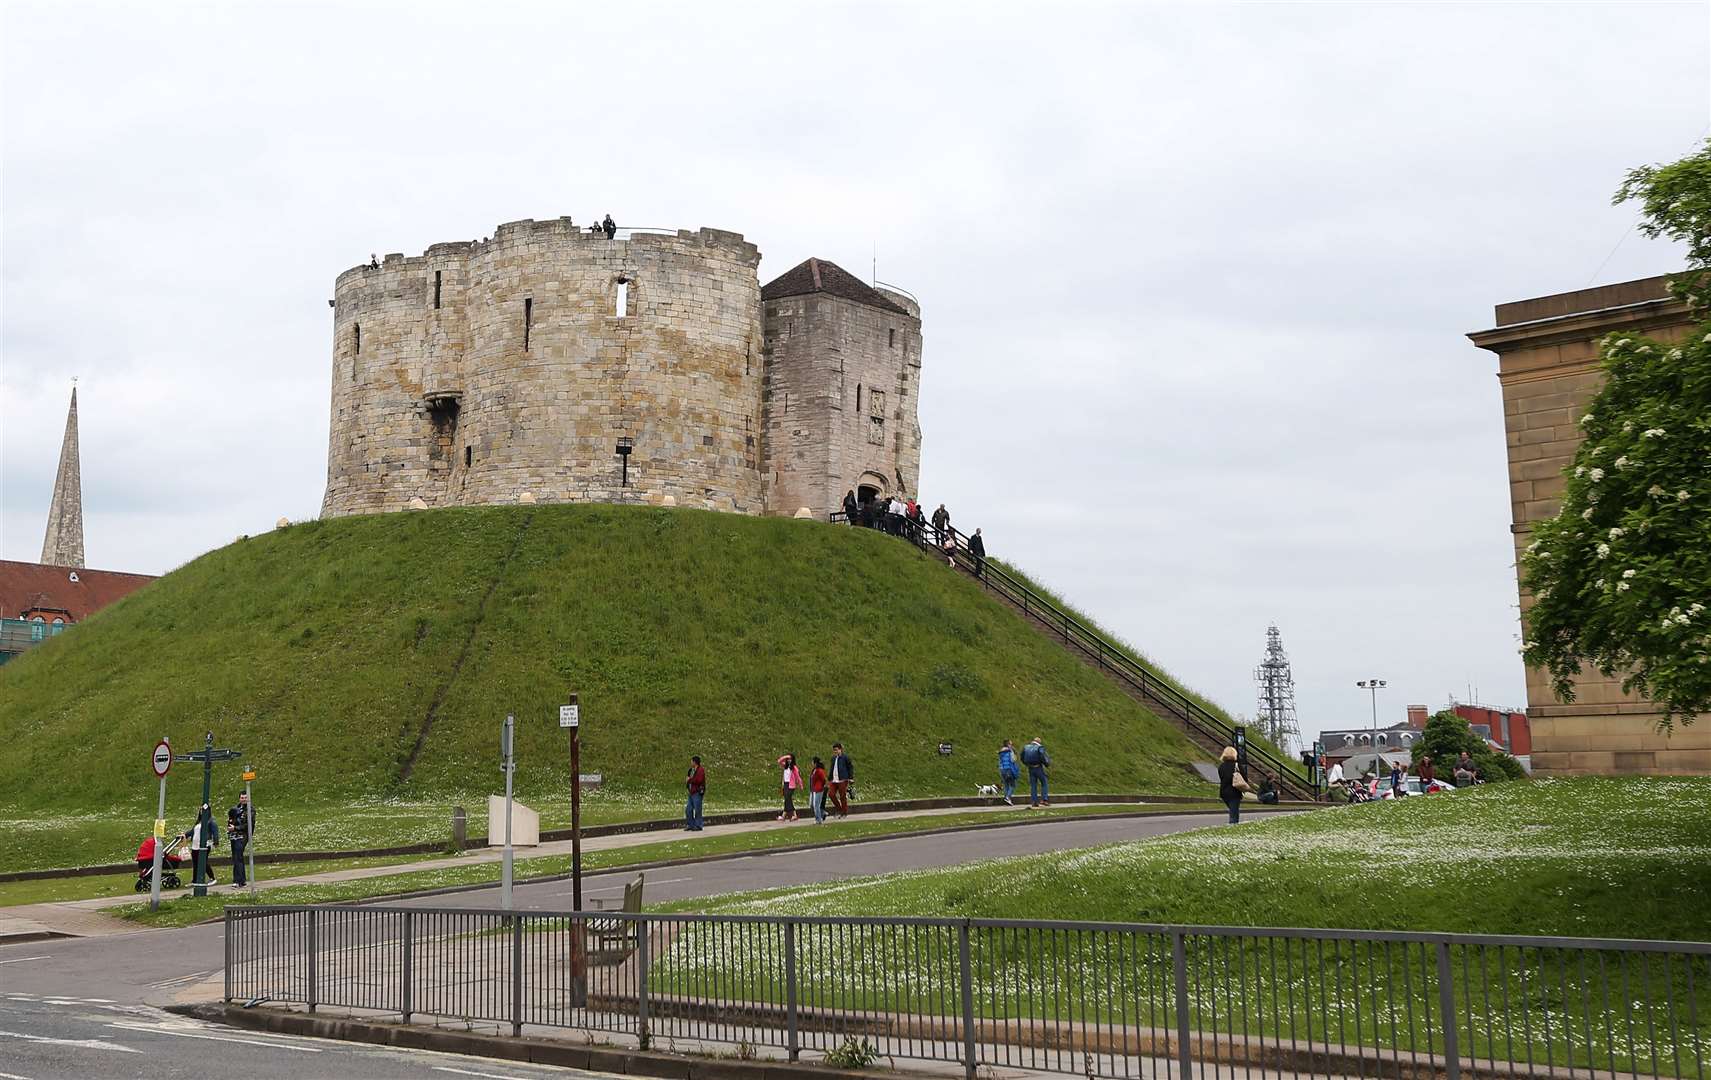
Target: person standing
(1039, 762)
(609, 227)
(1008, 772)
(1465, 770)
(941, 519)
(696, 784)
(240, 825)
(1397, 774)
(894, 516)
(204, 841)
(790, 784)
(977, 548)
(1427, 772)
(842, 774)
(852, 511)
(817, 791)
(1231, 783)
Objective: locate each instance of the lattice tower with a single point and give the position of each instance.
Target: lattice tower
(1276, 716)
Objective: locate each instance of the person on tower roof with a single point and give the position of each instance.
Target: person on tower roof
(610, 226)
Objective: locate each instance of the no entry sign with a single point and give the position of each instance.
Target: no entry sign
(162, 758)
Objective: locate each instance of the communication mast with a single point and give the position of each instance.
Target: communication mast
(1276, 716)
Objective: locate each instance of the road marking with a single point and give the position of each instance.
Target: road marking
(168, 1029)
(181, 980)
(12, 1076)
(88, 1044)
(21, 959)
(618, 889)
(467, 1072)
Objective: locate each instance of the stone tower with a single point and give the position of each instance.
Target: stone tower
(63, 544)
(513, 370)
(843, 372)
(506, 369)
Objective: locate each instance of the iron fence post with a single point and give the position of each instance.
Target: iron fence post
(516, 975)
(407, 991)
(1179, 959)
(968, 1056)
(230, 923)
(791, 1039)
(642, 982)
(313, 995)
(1447, 1012)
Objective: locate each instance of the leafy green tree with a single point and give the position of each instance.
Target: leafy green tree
(1447, 735)
(1621, 577)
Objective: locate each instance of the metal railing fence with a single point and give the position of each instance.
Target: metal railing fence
(1094, 999)
(1108, 655)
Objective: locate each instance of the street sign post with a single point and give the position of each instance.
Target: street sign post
(161, 761)
(508, 766)
(249, 824)
(570, 716)
(207, 756)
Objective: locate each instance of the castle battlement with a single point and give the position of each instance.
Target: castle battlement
(508, 368)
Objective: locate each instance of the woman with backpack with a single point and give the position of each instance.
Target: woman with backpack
(1008, 771)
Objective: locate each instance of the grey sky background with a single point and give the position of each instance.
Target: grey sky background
(1195, 277)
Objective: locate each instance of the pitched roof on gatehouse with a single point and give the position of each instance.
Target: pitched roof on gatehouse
(820, 276)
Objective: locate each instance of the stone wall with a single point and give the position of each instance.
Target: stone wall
(1548, 369)
(490, 371)
(841, 404)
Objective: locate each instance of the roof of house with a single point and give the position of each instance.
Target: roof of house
(820, 276)
(75, 590)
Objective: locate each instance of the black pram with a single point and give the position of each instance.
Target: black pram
(170, 861)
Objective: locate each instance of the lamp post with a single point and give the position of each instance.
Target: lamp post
(625, 445)
(1373, 685)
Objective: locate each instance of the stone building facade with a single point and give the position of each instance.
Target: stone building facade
(1547, 366)
(510, 369)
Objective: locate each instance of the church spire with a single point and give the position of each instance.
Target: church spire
(63, 545)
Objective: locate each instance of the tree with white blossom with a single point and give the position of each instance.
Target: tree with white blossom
(1621, 577)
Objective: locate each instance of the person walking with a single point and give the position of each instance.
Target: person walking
(842, 774)
(696, 784)
(977, 548)
(1008, 772)
(1231, 783)
(941, 519)
(240, 826)
(817, 791)
(894, 516)
(1034, 756)
(790, 784)
(1397, 774)
(852, 511)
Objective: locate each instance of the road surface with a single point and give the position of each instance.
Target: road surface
(122, 980)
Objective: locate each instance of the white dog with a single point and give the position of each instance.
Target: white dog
(986, 789)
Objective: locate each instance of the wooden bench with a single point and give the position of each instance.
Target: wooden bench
(613, 940)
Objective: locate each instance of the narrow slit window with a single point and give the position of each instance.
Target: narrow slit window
(528, 317)
(356, 338)
(467, 456)
(621, 307)
(437, 275)
(858, 397)
(891, 341)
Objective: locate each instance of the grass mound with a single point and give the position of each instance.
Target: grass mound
(1592, 857)
(365, 666)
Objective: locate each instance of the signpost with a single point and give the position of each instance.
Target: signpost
(162, 763)
(570, 716)
(508, 766)
(249, 824)
(207, 756)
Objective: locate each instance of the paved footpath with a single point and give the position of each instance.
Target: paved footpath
(89, 1006)
(85, 918)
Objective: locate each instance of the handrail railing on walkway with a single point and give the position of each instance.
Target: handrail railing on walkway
(1105, 653)
(1085, 998)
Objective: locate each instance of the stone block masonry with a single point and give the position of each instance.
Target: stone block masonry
(508, 369)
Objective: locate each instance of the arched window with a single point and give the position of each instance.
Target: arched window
(38, 628)
(58, 624)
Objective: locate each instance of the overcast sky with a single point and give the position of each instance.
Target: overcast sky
(1195, 277)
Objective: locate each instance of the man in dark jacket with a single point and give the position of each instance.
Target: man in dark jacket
(839, 775)
(941, 521)
(610, 227)
(240, 823)
(696, 783)
(977, 548)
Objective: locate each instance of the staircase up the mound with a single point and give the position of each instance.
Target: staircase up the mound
(1114, 662)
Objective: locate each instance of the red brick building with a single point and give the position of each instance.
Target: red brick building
(38, 601)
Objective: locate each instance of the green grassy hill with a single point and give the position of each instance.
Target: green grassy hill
(1593, 857)
(370, 661)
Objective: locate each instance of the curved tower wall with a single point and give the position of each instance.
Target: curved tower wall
(524, 377)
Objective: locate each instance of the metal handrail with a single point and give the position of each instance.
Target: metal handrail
(1147, 680)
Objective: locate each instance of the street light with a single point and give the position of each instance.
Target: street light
(625, 445)
(1373, 685)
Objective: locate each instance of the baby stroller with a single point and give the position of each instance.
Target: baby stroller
(170, 861)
